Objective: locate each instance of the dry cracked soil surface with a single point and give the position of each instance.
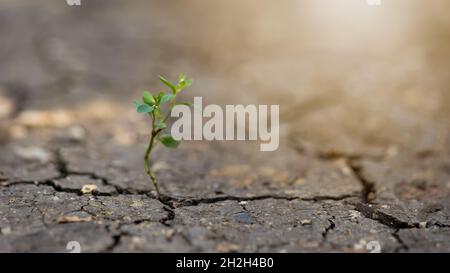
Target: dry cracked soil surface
(364, 147)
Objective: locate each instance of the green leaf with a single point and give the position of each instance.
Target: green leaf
(148, 98)
(183, 82)
(168, 83)
(168, 141)
(161, 125)
(181, 78)
(142, 108)
(167, 97)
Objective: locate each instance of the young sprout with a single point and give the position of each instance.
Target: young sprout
(152, 105)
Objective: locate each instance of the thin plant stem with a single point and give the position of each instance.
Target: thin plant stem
(147, 156)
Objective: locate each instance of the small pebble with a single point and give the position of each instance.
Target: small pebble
(227, 247)
(305, 222)
(6, 230)
(87, 189)
(74, 219)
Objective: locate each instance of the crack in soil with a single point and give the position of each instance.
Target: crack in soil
(168, 220)
(329, 228)
(117, 238)
(175, 202)
(399, 240)
(368, 187)
(353, 162)
(439, 225)
(335, 155)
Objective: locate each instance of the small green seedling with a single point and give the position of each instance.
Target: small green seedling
(152, 105)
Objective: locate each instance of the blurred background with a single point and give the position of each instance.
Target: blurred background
(349, 77)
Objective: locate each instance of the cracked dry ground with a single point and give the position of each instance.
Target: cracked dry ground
(354, 165)
(222, 197)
